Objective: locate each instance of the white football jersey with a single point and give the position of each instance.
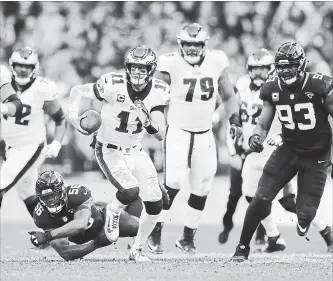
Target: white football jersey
(193, 89)
(120, 123)
(29, 127)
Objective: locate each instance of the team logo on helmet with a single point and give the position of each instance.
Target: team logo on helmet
(290, 62)
(140, 66)
(192, 41)
(24, 65)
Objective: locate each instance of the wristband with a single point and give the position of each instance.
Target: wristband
(152, 128)
(48, 236)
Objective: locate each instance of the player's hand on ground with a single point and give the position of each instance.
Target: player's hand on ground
(142, 113)
(274, 140)
(76, 122)
(52, 149)
(255, 143)
(236, 133)
(38, 238)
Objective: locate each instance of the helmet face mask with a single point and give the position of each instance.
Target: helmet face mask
(290, 62)
(260, 65)
(192, 42)
(51, 191)
(140, 66)
(24, 65)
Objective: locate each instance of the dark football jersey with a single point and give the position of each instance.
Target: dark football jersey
(302, 113)
(77, 194)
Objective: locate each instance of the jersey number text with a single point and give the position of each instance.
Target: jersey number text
(123, 116)
(206, 85)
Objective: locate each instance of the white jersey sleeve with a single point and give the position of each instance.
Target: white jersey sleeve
(49, 89)
(164, 62)
(108, 84)
(221, 58)
(162, 96)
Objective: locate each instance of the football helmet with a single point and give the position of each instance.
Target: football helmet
(51, 191)
(140, 66)
(192, 41)
(24, 64)
(259, 66)
(290, 62)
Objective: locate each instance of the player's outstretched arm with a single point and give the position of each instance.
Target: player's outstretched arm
(54, 109)
(71, 252)
(10, 104)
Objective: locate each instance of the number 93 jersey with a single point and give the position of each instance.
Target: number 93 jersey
(193, 89)
(120, 123)
(301, 111)
(29, 126)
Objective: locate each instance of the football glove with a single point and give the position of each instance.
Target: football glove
(236, 133)
(142, 112)
(75, 121)
(255, 143)
(275, 140)
(39, 238)
(52, 150)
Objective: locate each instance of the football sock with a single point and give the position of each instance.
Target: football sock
(318, 223)
(164, 216)
(257, 211)
(146, 226)
(270, 226)
(192, 217)
(231, 208)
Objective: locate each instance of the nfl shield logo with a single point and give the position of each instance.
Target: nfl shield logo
(292, 96)
(275, 96)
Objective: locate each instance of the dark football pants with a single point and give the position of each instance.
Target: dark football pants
(282, 166)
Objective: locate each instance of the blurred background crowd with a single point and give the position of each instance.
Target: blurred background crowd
(79, 41)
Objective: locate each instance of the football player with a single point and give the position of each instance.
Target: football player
(303, 102)
(132, 102)
(67, 214)
(10, 104)
(25, 133)
(260, 65)
(196, 76)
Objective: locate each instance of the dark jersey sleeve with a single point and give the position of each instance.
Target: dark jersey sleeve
(327, 86)
(266, 90)
(42, 218)
(77, 195)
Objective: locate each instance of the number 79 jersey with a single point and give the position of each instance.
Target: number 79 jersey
(193, 89)
(29, 126)
(302, 113)
(120, 123)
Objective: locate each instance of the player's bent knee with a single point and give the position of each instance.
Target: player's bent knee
(197, 202)
(288, 203)
(127, 196)
(262, 206)
(153, 208)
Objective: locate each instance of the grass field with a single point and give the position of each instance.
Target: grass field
(302, 260)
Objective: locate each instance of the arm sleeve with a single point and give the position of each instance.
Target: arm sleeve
(163, 98)
(265, 94)
(77, 195)
(51, 90)
(163, 63)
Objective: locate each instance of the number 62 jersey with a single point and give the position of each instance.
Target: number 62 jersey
(120, 123)
(302, 113)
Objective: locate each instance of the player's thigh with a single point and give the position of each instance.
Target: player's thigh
(203, 164)
(277, 172)
(176, 151)
(19, 162)
(128, 225)
(146, 174)
(115, 167)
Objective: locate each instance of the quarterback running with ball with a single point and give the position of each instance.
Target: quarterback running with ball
(132, 102)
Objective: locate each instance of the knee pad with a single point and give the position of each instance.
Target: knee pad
(263, 207)
(288, 203)
(127, 196)
(172, 194)
(153, 208)
(197, 202)
(248, 199)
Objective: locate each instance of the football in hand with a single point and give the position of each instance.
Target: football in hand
(92, 122)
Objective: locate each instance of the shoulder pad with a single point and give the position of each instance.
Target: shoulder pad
(41, 217)
(163, 92)
(322, 82)
(48, 88)
(77, 194)
(267, 90)
(219, 58)
(243, 83)
(165, 61)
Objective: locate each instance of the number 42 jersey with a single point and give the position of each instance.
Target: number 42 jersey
(193, 89)
(301, 111)
(120, 123)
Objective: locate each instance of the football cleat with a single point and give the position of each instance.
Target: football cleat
(241, 254)
(275, 244)
(302, 231)
(224, 235)
(137, 255)
(111, 226)
(328, 237)
(154, 239)
(187, 246)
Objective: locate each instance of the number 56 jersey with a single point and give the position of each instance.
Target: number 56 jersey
(193, 89)
(120, 123)
(29, 127)
(302, 113)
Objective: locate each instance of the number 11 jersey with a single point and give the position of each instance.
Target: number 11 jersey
(302, 113)
(120, 123)
(193, 89)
